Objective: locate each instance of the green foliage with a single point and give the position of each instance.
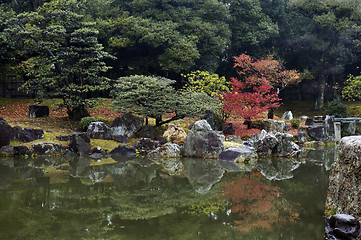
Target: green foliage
(202, 81)
(85, 122)
(152, 97)
(352, 88)
(295, 123)
(337, 108)
(64, 59)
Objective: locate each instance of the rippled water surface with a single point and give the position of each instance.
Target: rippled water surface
(83, 198)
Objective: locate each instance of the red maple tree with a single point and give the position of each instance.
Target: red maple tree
(257, 88)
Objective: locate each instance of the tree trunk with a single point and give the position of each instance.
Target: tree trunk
(77, 113)
(320, 98)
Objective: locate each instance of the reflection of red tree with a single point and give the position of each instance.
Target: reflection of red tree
(259, 205)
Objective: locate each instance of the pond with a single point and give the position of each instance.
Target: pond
(83, 198)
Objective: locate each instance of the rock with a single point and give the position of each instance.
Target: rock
(175, 134)
(287, 115)
(234, 138)
(301, 137)
(344, 189)
(79, 143)
(6, 132)
(148, 131)
(36, 111)
(303, 118)
(16, 132)
(238, 154)
(7, 151)
(330, 128)
(99, 130)
(214, 120)
(120, 139)
(338, 131)
(309, 121)
(21, 151)
(342, 227)
(167, 150)
(161, 140)
(127, 125)
(271, 125)
(46, 148)
(96, 152)
(316, 133)
(30, 134)
(202, 141)
(286, 128)
(348, 128)
(62, 137)
(228, 129)
(123, 151)
(279, 144)
(146, 144)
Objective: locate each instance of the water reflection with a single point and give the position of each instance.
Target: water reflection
(140, 198)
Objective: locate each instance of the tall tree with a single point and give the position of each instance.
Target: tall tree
(330, 42)
(64, 59)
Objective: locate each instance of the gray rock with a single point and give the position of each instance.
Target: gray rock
(127, 125)
(30, 134)
(279, 144)
(62, 137)
(146, 144)
(167, 150)
(330, 128)
(202, 141)
(344, 191)
(338, 131)
(6, 132)
(270, 125)
(342, 227)
(120, 139)
(46, 148)
(148, 131)
(302, 137)
(7, 151)
(99, 130)
(238, 154)
(123, 151)
(16, 132)
(79, 143)
(21, 151)
(287, 115)
(36, 111)
(348, 128)
(316, 133)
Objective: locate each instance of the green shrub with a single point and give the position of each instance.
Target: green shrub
(85, 122)
(295, 123)
(337, 108)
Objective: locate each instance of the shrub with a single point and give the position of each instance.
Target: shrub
(85, 122)
(295, 123)
(337, 108)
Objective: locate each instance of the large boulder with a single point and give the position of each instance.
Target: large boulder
(175, 134)
(238, 154)
(6, 132)
(123, 151)
(79, 143)
(127, 125)
(167, 150)
(202, 141)
(271, 125)
(36, 111)
(148, 131)
(30, 134)
(344, 191)
(46, 148)
(316, 132)
(99, 130)
(21, 151)
(342, 227)
(279, 144)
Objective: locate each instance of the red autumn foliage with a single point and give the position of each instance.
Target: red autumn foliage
(257, 204)
(256, 90)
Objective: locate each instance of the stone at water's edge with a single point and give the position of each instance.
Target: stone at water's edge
(79, 143)
(202, 141)
(344, 191)
(5, 133)
(342, 227)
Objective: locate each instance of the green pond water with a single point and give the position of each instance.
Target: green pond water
(83, 198)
